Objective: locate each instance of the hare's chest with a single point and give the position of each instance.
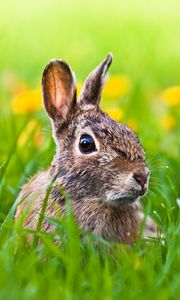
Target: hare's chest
(121, 225)
(118, 227)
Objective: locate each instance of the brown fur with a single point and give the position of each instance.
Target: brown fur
(103, 185)
(112, 223)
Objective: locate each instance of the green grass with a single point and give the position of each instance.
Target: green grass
(144, 39)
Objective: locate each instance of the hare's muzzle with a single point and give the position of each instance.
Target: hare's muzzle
(142, 180)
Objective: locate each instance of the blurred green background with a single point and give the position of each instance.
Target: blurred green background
(143, 91)
(144, 37)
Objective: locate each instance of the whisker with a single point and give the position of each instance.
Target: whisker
(154, 179)
(155, 183)
(153, 193)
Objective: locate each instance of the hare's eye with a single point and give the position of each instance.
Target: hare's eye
(87, 144)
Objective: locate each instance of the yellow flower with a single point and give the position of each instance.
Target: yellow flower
(115, 113)
(79, 87)
(132, 123)
(37, 138)
(168, 122)
(171, 96)
(117, 86)
(27, 101)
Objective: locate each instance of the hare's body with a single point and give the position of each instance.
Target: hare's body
(111, 222)
(99, 163)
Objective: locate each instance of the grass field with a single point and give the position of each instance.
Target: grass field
(143, 91)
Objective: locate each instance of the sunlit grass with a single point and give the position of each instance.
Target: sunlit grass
(143, 91)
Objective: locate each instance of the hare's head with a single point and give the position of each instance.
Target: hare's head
(96, 157)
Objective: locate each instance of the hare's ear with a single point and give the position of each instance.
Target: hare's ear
(59, 90)
(91, 91)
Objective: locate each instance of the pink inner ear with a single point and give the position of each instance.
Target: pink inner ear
(60, 97)
(61, 102)
(58, 89)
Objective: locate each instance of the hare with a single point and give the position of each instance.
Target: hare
(99, 163)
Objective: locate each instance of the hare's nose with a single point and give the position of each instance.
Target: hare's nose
(141, 179)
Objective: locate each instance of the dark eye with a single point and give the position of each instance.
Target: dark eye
(87, 144)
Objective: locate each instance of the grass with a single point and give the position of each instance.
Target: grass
(144, 39)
